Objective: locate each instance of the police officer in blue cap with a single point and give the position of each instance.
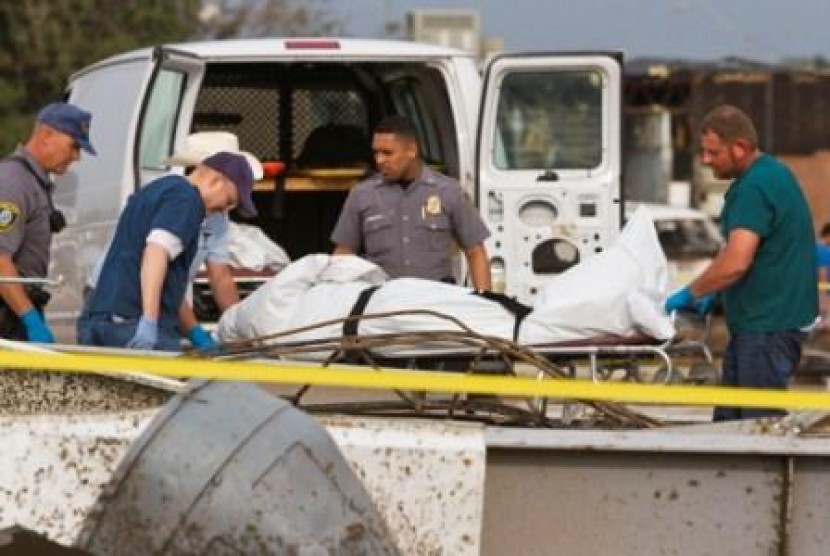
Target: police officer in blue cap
(28, 217)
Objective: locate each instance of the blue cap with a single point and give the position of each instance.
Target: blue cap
(69, 119)
(236, 168)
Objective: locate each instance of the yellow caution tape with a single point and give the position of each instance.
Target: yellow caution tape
(393, 379)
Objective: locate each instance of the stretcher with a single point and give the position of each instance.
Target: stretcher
(686, 357)
(44, 282)
(464, 350)
(605, 314)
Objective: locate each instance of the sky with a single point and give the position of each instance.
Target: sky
(763, 30)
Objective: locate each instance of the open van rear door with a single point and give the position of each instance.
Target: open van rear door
(549, 164)
(166, 112)
(140, 103)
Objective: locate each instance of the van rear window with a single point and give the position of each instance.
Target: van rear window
(313, 115)
(550, 120)
(275, 110)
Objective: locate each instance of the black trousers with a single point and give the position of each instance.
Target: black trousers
(11, 328)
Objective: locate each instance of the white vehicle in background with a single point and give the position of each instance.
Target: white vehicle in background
(689, 237)
(535, 143)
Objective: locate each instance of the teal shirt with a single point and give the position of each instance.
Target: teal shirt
(779, 291)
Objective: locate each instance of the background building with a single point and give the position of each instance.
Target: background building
(664, 102)
(454, 28)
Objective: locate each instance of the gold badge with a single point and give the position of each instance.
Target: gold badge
(9, 212)
(433, 205)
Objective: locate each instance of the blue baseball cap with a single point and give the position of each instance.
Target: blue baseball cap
(236, 168)
(69, 119)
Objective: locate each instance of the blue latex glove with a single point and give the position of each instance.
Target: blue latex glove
(36, 328)
(146, 334)
(681, 299)
(201, 338)
(705, 304)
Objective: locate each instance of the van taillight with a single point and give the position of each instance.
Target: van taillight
(312, 45)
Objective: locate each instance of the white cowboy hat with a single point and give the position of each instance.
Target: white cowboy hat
(200, 145)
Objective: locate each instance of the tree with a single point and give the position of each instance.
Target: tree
(266, 18)
(43, 41)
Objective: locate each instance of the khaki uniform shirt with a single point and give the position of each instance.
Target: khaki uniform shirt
(412, 231)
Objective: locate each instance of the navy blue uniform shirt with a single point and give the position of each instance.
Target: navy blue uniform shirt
(169, 203)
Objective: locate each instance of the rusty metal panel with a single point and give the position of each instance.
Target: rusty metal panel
(53, 467)
(809, 534)
(425, 477)
(588, 502)
(748, 487)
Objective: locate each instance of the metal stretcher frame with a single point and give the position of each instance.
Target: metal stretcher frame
(475, 354)
(31, 281)
(594, 353)
(594, 349)
(597, 349)
(463, 351)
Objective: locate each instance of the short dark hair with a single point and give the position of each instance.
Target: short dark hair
(399, 126)
(731, 124)
(825, 230)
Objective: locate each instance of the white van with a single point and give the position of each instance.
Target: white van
(538, 151)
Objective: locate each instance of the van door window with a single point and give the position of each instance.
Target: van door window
(550, 120)
(159, 125)
(408, 102)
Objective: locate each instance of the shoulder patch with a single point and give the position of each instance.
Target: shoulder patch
(9, 213)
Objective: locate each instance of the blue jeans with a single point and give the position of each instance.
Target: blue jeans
(759, 360)
(104, 330)
(83, 329)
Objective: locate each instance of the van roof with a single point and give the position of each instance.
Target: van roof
(305, 48)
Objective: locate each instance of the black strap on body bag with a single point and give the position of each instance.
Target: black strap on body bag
(518, 309)
(350, 325)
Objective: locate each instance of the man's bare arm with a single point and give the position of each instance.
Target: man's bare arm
(222, 285)
(731, 263)
(343, 250)
(154, 264)
(479, 265)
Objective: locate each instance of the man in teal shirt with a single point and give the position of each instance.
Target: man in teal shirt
(766, 272)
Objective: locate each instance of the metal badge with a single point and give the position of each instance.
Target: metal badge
(433, 205)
